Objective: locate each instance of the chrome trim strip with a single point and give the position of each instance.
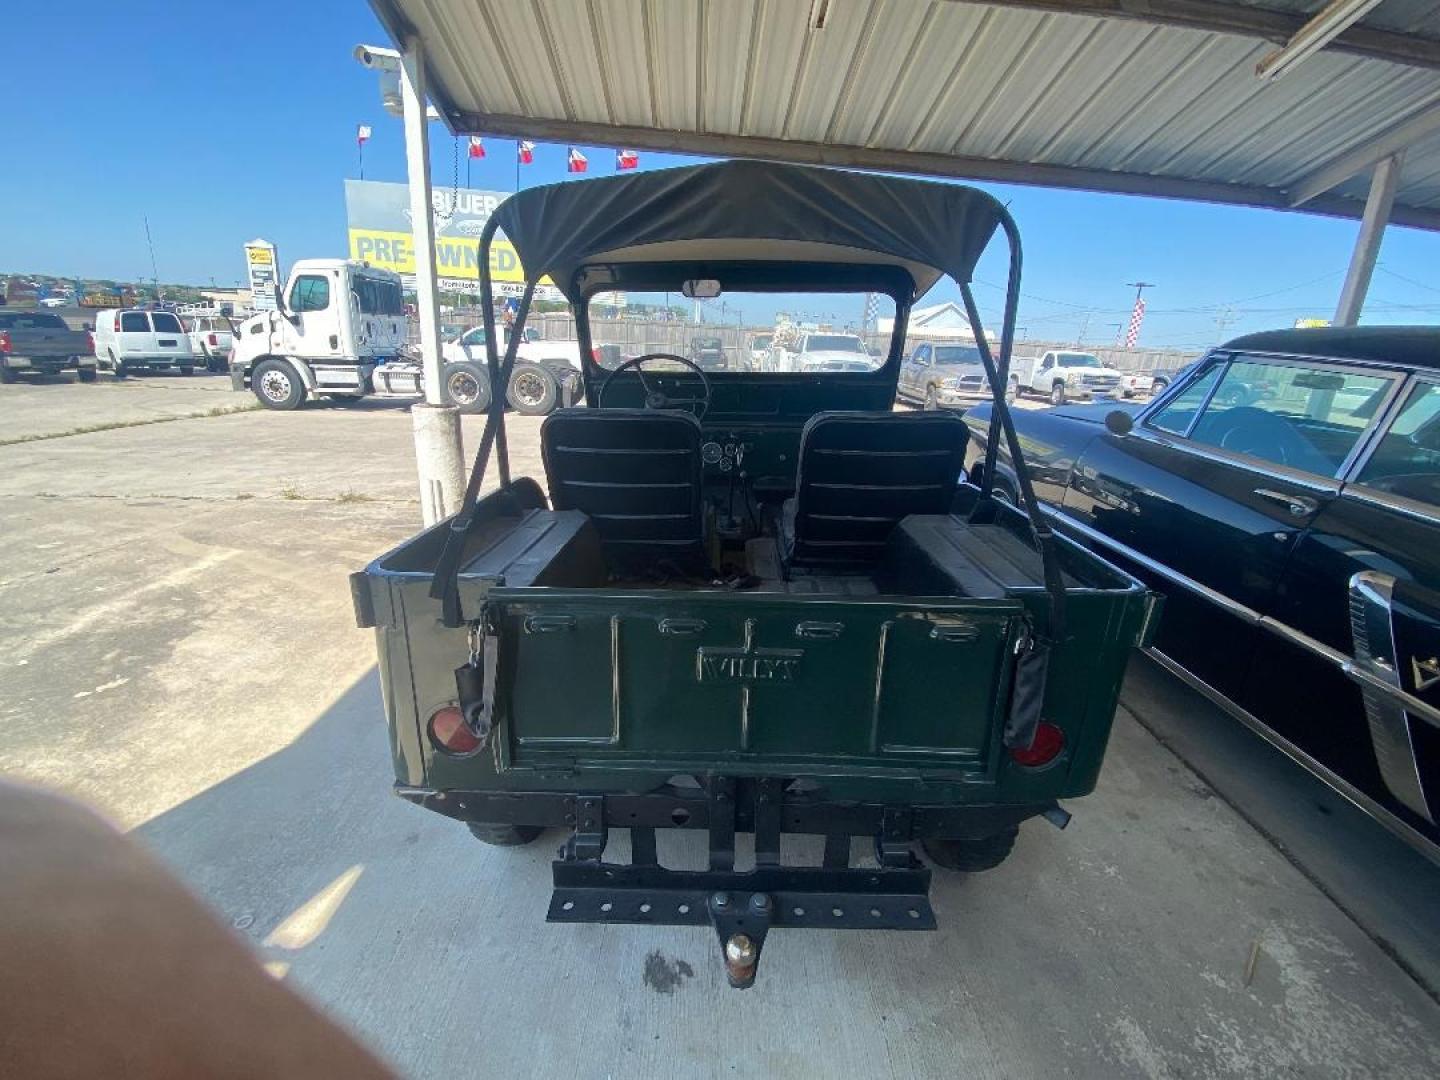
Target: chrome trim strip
(1353, 795)
(1309, 481)
(1347, 666)
(1385, 501)
(1372, 621)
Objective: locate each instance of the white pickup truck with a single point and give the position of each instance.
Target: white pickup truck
(1062, 375)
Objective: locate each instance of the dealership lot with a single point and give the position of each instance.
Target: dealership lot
(178, 648)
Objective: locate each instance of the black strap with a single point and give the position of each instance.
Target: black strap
(445, 584)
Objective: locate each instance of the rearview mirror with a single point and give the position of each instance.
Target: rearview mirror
(1119, 422)
(701, 289)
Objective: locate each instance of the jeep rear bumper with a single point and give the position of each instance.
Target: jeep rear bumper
(742, 906)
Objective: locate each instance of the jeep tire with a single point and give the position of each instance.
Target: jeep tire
(504, 835)
(971, 854)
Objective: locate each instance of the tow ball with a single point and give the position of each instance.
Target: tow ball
(741, 927)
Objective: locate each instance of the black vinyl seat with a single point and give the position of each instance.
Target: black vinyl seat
(634, 472)
(859, 474)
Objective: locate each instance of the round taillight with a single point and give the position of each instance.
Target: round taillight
(450, 733)
(1049, 741)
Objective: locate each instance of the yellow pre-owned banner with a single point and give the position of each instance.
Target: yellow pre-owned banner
(454, 258)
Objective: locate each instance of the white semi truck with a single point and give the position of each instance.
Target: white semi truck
(340, 334)
(337, 322)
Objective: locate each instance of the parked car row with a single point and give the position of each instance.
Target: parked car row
(1284, 495)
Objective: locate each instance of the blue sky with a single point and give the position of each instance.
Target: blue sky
(224, 124)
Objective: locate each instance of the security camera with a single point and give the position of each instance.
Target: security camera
(377, 58)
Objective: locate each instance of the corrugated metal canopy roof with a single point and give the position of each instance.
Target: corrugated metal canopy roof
(1153, 97)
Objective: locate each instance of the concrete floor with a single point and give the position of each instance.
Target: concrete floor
(176, 645)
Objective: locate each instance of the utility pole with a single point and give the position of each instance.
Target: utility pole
(1224, 317)
(154, 270)
(1140, 287)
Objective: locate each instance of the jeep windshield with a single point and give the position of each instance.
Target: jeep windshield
(763, 333)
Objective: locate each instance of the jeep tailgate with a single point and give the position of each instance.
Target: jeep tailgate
(774, 682)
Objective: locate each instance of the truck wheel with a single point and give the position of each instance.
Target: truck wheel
(7, 375)
(467, 387)
(1158, 386)
(117, 368)
(1012, 392)
(187, 371)
(969, 854)
(503, 835)
(277, 386)
(87, 374)
(532, 390)
(1057, 394)
(931, 402)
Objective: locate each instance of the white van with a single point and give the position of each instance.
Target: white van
(134, 339)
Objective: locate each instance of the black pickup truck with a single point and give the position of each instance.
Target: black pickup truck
(1284, 494)
(41, 343)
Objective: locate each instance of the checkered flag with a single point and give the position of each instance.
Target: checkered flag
(872, 311)
(1137, 316)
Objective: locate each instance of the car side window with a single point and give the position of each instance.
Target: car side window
(1406, 460)
(1292, 414)
(1179, 413)
(475, 336)
(134, 321)
(1047, 363)
(311, 292)
(922, 355)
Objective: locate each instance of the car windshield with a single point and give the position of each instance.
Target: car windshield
(957, 354)
(1077, 359)
(833, 343)
(821, 331)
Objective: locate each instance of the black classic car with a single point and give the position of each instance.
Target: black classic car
(1284, 494)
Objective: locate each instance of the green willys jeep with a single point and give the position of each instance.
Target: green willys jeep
(753, 602)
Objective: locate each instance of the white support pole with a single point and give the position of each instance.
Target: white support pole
(439, 448)
(1367, 244)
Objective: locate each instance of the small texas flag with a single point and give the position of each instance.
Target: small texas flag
(576, 162)
(526, 152)
(362, 132)
(626, 159)
(477, 148)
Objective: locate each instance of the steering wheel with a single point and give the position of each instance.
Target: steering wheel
(1247, 430)
(656, 398)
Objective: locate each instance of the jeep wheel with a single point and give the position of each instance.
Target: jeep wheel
(971, 854)
(930, 400)
(86, 374)
(277, 386)
(532, 390)
(503, 835)
(1057, 394)
(467, 387)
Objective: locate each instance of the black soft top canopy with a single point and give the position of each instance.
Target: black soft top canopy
(740, 211)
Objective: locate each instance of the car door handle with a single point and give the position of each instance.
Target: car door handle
(1299, 505)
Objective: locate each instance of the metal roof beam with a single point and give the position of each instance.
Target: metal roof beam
(1359, 158)
(1219, 17)
(720, 144)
